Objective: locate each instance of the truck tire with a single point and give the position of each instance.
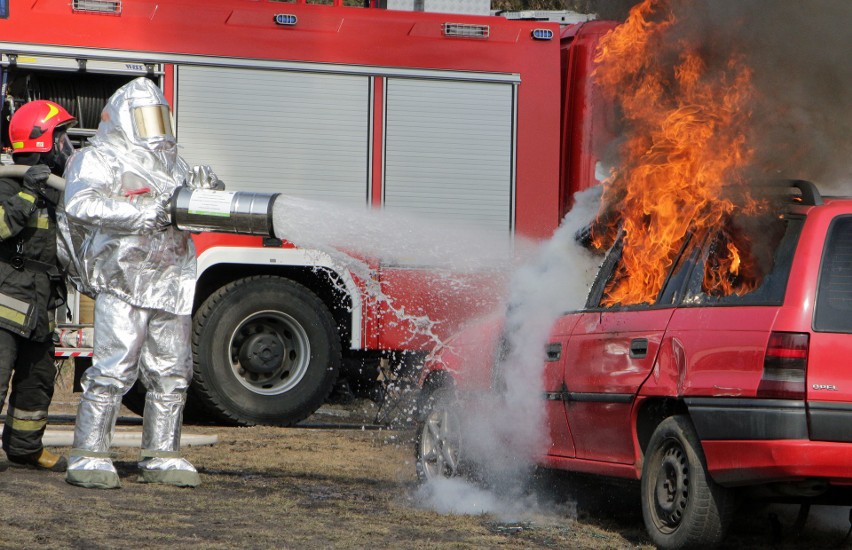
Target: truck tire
(681, 505)
(265, 351)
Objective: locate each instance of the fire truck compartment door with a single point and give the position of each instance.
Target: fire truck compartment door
(279, 131)
(449, 151)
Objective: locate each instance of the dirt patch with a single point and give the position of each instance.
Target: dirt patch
(327, 487)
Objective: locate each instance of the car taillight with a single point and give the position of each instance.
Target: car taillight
(784, 366)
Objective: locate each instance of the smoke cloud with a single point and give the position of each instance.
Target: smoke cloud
(504, 433)
(801, 113)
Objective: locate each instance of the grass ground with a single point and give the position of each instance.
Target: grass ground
(332, 487)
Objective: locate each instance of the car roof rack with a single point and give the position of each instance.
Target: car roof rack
(809, 193)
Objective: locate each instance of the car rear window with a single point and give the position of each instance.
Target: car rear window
(768, 281)
(834, 293)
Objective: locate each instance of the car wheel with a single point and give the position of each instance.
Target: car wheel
(681, 505)
(438, 443)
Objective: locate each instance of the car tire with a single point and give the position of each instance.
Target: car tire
(265, 351)
(681, 505)
(438, 443)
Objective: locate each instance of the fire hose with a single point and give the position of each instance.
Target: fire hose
(17, 171)
(241, 212)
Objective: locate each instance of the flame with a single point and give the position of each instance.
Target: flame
(725, 273)
(685, 147)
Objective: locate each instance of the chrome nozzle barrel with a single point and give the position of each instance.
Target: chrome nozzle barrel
(242, 212)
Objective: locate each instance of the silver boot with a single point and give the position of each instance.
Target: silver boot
(159, 460)
(90, 463)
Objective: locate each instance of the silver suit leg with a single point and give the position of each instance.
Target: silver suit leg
(166, 370)
(117, 346)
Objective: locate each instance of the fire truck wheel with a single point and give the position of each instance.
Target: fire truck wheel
(682, 506)
(265, 351)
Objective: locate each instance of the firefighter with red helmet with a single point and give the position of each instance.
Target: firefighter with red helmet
(31, 285)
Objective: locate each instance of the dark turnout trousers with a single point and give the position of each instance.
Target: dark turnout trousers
(30, 367)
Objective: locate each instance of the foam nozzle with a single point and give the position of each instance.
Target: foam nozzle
(241, 212)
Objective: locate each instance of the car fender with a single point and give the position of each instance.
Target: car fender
(468, 356)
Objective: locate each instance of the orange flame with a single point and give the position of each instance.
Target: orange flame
(725, 273)
(685, 146)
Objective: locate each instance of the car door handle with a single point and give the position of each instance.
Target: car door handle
(553, 351)
(639, 348)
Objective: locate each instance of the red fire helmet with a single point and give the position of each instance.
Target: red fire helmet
(33, 124)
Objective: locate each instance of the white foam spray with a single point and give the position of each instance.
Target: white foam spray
(356, 240)
(504, 434)
(546, 280)
(394, 237)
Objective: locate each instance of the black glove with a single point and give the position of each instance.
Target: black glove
(35, 182)
(35, 179)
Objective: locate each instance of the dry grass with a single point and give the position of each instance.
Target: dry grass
(267, 487)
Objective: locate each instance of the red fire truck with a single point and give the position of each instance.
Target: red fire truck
(464, 118)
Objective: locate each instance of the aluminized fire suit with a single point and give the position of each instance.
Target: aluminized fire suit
(122, 250)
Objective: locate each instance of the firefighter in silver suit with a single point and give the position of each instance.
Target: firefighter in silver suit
(120, 247)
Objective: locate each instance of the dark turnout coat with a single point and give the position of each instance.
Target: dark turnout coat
(29, 277)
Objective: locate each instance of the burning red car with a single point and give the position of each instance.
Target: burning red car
(732, 380)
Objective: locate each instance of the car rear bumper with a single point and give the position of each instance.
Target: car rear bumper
(737, 462)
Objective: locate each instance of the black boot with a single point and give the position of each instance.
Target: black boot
(41, 460)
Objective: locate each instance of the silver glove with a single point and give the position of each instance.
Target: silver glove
(203, 177)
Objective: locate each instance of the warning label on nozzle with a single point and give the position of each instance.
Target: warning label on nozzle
(207, 202)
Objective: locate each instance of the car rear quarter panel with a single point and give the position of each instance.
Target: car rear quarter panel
(712, 351)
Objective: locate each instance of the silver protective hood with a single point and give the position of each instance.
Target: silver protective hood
(136, 118)
(112, 238)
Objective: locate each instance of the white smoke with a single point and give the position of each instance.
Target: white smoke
(504, 434)
(460, 497)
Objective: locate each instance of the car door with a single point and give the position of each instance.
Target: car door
(561, 438)
(609, 355)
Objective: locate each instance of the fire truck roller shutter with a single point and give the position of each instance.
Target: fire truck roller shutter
(276, 131)
(301, 134)
(449, 151)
